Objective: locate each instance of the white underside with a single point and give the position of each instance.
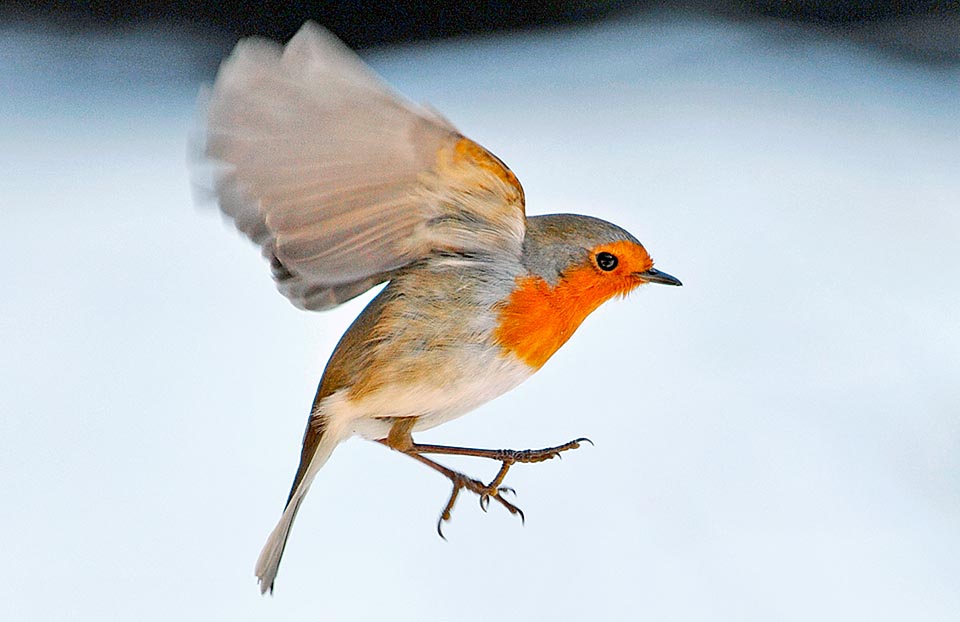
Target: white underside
(478, 382)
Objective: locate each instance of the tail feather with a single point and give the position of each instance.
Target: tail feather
(269, 561)
(319, 443)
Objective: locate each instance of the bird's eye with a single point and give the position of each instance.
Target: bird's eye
(606, 261)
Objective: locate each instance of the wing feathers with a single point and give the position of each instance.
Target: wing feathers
(338, 178)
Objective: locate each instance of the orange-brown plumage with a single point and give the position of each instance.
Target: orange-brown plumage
(537, 318)
(469, 152)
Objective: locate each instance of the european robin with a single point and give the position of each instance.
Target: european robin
(345, 186)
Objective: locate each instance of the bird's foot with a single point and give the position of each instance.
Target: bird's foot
(485, 492)
(495, 490)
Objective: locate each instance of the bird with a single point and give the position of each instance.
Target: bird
(346, 185)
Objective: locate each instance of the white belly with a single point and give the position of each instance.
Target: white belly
(476, 382)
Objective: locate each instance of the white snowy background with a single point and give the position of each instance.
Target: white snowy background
(777, 440)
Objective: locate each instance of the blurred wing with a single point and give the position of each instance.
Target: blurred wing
(341, 181)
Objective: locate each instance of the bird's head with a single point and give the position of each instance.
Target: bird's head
(574, 264)
(589, 255)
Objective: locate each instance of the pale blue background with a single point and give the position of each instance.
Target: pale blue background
(777, 440)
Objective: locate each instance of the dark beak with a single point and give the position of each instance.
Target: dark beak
(655, 276)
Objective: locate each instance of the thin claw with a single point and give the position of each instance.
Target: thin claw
(448, 509)
(484, 502)
(584, 439)
(507, 489)
(511, 508)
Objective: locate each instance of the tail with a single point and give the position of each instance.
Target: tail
(318, 443)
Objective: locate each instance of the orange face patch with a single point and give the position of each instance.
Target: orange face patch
(537, 319)
(630, 258)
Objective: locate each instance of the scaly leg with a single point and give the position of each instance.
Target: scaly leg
(401, 440)
(461, 481)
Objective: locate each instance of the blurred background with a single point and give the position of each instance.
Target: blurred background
(777, 440)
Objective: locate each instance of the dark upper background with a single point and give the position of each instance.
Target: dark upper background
(925, 31)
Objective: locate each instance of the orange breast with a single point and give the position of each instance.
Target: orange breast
(537, 319)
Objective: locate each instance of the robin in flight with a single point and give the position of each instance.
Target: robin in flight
(345, 186)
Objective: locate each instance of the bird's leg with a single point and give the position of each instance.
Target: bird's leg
(506, 456)
(400, 439)
(461, 481)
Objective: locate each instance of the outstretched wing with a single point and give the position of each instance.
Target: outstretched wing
(340, 180)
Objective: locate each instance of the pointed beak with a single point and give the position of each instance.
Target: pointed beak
(655, 276)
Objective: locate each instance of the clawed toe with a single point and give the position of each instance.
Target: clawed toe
(493, 490)
(512, 509)
(485, 492)
(497, 493)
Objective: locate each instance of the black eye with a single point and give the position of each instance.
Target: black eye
(606, 261)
